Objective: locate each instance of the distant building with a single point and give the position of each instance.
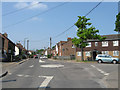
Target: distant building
(65, 49)
(21, 48)
(47, 51)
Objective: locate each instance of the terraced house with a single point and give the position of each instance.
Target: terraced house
(111, 46)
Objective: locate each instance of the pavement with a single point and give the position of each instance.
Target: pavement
(36, 73)
(7, 65)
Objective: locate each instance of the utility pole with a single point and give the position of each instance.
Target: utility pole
(27, 45)
(24, 42)
(50, 44)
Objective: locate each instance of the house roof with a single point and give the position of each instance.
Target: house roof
(108, 37)
(6, 38)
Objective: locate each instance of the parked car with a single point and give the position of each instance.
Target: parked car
(24, 56)
(35, 56)
(106, 58)
(43, 57)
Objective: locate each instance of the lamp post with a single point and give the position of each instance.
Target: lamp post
(24, 41)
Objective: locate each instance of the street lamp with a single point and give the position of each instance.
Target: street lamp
(24, 41)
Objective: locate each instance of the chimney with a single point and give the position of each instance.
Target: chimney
(5, 34)
(68, 39)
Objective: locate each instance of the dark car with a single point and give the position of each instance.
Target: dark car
(35, 56)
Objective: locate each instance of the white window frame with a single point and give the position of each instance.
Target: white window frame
(115, 53)
(89, 44)
(105, 52)
(115, 43)
(78, 53)
(96, 44)
(73, 46)
(104, 43)
(87, 53)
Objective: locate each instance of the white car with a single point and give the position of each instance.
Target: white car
(43, 57)
(106, 58)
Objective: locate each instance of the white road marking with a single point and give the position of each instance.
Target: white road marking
(101, 71)
(40, 61)
(45, 83)
(20, 75)
(27, 76)
(10, 73)
(52, 66)
(31, 66)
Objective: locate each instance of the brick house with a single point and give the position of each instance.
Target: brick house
(8, 47)
(65, 48)
(111, 46)
(59, 48)
(53, 51)
(21, 48)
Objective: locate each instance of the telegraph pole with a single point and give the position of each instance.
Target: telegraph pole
(24, 41)
(50, 44)
(27, 45)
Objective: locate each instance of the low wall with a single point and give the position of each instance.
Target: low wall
(64, 57)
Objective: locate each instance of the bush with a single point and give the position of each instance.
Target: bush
(48, 56)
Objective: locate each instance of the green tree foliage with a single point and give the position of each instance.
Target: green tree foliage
(53, 47)
(39, 51)
(117, 23)
(85, 31)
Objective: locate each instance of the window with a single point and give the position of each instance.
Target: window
(87, 53)
(115, 43)
(73, 46)
(78, 53)
(105, 43)
(96, 43)
(105, 52)
(89, 44)
(115, 53)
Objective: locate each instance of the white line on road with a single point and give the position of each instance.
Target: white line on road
(31, 66)
(27, 76)
(45, 83)
(52, 66)
(101, 71)
(40, 61)
(10, 73)
(20, 75)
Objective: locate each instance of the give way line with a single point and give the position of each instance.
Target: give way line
(45, 83)
(101, 71)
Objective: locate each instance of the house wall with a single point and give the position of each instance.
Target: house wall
(16, 50)
(110, 48)
(68, 49)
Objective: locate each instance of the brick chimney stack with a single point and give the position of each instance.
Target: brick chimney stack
(5, 34)
(68, 39)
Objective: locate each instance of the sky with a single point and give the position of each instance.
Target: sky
(39, 29)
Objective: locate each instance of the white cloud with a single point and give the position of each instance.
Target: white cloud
(21, 5)
(38, 6)
(36, 19)
(33, 5)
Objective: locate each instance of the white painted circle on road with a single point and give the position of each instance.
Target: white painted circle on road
(52, 66)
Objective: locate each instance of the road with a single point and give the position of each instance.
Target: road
(36, 73)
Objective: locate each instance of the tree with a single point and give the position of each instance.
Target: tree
(53, 47)
(39, 51)
(85, 31)
(117, 23)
